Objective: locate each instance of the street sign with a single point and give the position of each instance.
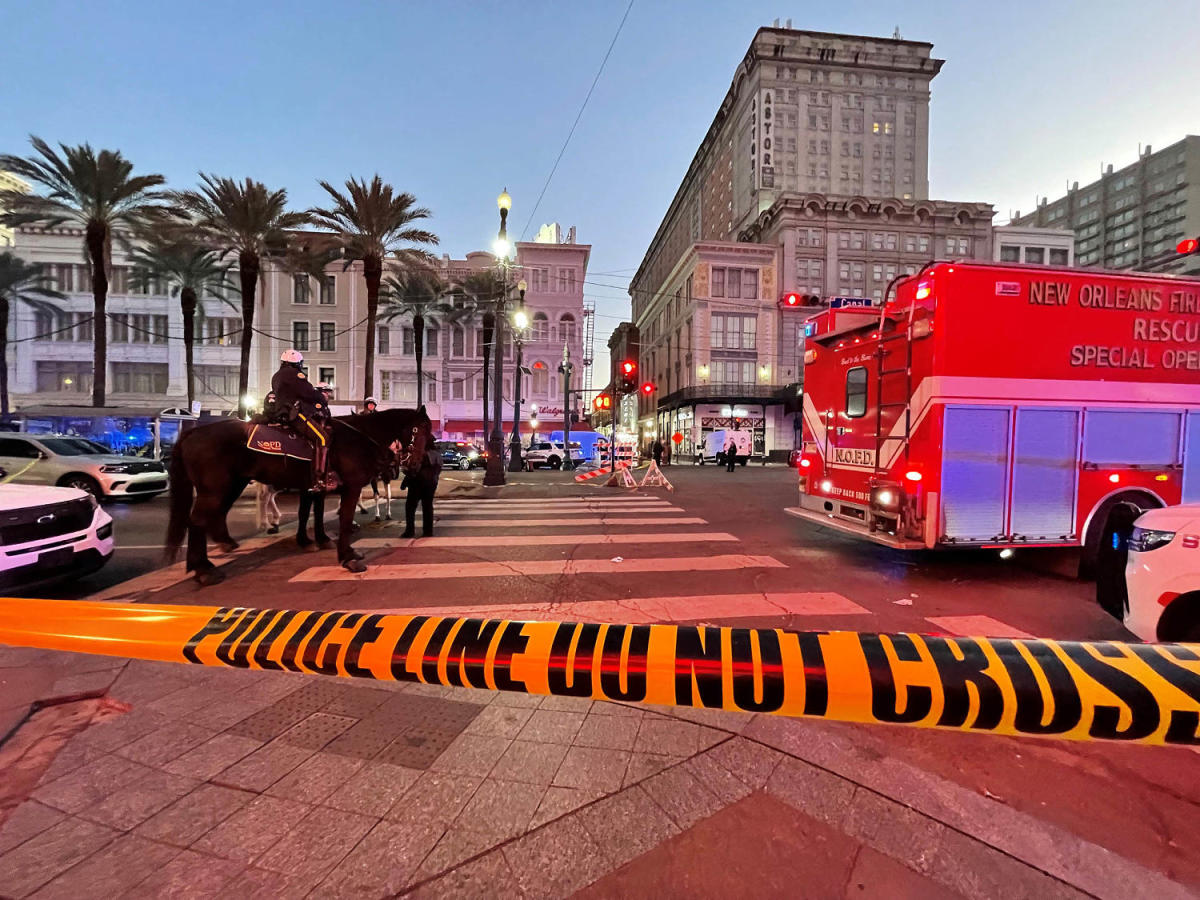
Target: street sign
(843, 302)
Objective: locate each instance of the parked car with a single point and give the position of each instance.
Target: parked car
(51, 534)
(461, 455)
(1162, 575)
(550, 453)
(76, 462)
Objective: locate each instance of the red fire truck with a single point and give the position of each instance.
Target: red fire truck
(990, 405)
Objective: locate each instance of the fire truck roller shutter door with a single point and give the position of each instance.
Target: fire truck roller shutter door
(974, 472)
(1045, 473)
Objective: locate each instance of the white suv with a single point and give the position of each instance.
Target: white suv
(50, 534)
(1162, 575)
(550, 453)
(76, 462)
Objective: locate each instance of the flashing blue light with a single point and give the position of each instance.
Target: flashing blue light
(809, 328)
(1116, 541)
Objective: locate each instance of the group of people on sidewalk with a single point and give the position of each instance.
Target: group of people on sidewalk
(305, 407)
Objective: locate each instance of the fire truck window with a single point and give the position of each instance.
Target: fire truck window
(856, 392)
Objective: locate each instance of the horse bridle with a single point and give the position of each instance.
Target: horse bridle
(385, 450)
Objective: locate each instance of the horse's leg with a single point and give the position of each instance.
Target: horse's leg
(387, 486)
(203, 509)
(378, 499)
(323, 541)
(218, 526)
(274, 514)
(303, 509)
(346, 555)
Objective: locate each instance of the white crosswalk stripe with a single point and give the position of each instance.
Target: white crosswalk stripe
(535, 540)
(560, 522)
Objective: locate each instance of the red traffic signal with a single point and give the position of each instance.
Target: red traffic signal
(1188, 245)
(628, 367)
(790, 299)
(648, 388)
(628, 376)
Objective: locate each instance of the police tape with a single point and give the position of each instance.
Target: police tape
(1101, 690)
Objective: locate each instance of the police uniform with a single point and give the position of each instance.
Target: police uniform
(292, 388)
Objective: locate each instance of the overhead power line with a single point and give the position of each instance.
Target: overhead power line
(570, 134)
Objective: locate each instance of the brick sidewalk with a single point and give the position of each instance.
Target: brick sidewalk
(252, 784)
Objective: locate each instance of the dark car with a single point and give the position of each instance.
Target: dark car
(461, 455)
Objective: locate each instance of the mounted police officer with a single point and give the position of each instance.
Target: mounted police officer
(298, 400)
(370, 405)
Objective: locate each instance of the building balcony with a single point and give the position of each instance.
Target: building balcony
(725, 393)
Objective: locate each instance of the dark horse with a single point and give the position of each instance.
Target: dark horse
(214, 462)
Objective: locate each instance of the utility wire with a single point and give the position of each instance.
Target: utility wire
(575, 124)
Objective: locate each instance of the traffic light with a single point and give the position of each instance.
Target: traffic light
(1188, 246)
(647, 388)
(790, 300)
(628, 376)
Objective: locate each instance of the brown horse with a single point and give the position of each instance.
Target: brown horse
(214, 462)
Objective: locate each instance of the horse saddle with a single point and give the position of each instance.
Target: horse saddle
(275, 440)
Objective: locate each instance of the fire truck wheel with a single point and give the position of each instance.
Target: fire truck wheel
(1100, 525)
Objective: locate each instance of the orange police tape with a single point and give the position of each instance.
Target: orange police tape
(1145, 693)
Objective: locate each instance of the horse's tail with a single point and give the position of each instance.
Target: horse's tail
(181, 503)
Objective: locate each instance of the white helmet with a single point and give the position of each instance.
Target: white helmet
(291, 356)
(370, 400)
(325, 387)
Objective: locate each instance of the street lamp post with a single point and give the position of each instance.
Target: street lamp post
(520, 324)
(495, 466)
(566, 368)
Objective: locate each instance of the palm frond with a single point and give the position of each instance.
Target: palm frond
(25, 281)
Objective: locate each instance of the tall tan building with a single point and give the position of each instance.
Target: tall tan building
(812, 178)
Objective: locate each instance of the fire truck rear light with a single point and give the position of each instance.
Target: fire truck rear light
(826, 486)
(922, 328)
(1114, 478)
(805, 463)
(913, 476)
(1162, 477)
(810, 357)
(924, 289)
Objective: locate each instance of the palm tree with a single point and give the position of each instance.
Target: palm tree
(371, 222)
(482, 291)
(95, 191)
(243, 218)
(19, 280)
(190, 270)
(415, 294)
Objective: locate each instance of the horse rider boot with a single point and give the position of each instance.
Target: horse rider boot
(297, 395)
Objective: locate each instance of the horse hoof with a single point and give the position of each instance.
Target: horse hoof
(388, 517)
(228, 547)
(354, 526)
(326, 545)
(209, 577)
(354, 565)
(274, 529)
(309, 548)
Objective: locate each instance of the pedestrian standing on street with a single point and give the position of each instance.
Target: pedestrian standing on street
(667, 454)
(657, 450)
(730, 455)
(422, 485)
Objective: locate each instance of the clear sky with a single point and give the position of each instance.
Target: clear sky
(454, 101)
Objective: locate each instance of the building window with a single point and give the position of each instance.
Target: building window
(139, 378)
(408, 342)
(325, 374)
(735, 283)
(146, 329)
(457, 342)
(566, 328)
(456, 389)
(300, 289)
(64, 376)
(300, 336)
(328, 290)
(217, 381)
(540, 386)
(856, 392)
(718, 282)
(923, 243)
(541, 327)
(1059, 256)
(1010, 253)
(733, 332)
(1036, 255)
(431, 343)
(118, 328)
(222, 331)
(385, 340)
(83, 326)
(328, 337)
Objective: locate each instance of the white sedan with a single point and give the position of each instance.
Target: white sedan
(1162, 575)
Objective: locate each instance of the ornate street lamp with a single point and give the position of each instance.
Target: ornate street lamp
(495, 465)
(520, 325)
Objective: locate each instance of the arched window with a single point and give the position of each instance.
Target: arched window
(566, 328)
(541, 327)
(541, 379)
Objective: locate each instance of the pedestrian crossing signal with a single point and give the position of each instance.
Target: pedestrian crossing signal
(601, 402)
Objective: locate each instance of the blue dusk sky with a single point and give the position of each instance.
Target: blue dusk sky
(453, 101)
